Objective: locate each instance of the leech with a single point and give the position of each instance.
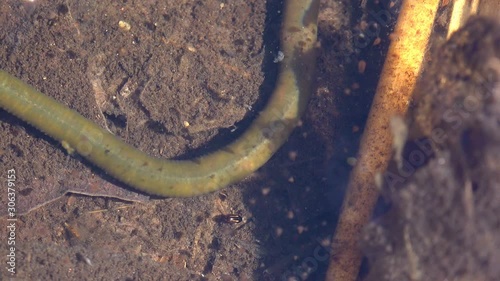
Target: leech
(204, 174)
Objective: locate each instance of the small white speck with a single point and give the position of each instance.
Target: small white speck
(279, 57)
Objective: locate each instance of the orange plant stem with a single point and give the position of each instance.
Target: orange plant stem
(399, 75)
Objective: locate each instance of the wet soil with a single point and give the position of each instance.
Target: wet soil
(178, 79)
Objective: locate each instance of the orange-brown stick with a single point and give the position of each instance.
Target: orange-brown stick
(394, 90)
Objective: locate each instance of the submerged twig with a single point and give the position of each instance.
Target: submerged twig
(394, 90)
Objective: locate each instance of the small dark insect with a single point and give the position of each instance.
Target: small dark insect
(230, 218)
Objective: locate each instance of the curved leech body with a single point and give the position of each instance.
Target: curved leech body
(184, 178)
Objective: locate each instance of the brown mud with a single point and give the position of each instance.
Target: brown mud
(168, 64)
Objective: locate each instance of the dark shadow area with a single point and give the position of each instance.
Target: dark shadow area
(296, 199)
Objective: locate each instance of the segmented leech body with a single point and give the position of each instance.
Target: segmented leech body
(208, 173)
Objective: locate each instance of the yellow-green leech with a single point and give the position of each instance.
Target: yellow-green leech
(190, 177)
